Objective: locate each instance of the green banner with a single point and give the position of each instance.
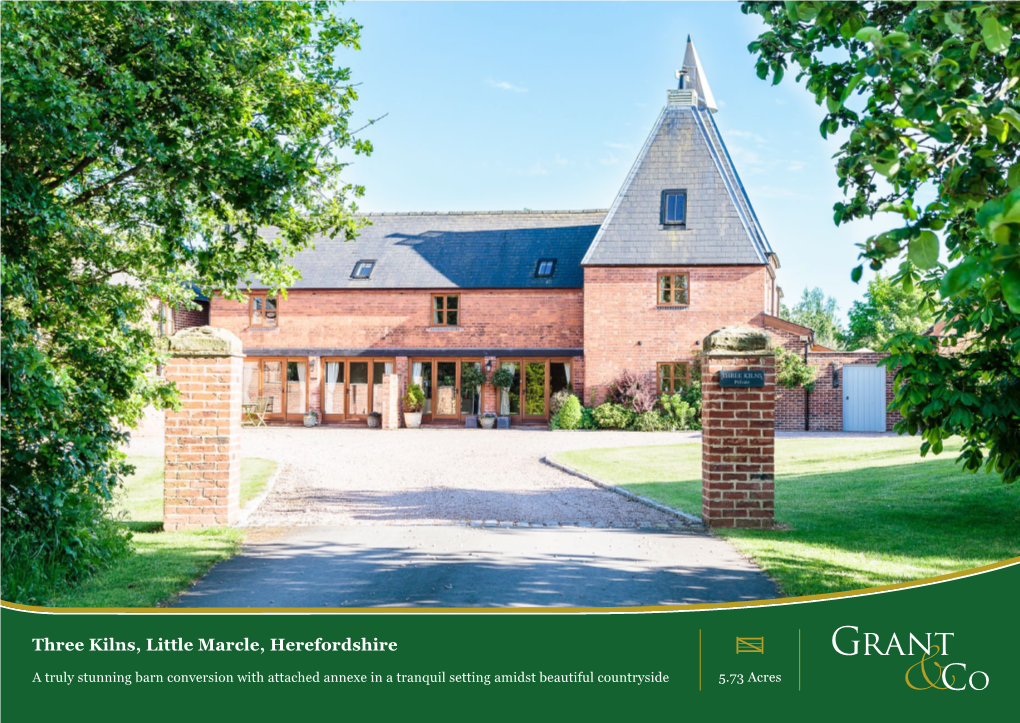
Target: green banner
(942, 648)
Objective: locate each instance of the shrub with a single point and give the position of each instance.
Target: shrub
(556, 400)
(630, 392)
(471, 377)
(613, 416)
(652, 421)
(570, 415)
(503, 377)
(792, 371)
(588, 419)
(677, 414)
(414, 400)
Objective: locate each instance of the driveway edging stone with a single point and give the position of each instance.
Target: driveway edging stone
(691, 519)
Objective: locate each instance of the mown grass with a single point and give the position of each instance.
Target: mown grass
(163, 564)
(860, 512)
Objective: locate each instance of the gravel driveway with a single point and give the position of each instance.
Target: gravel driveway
(353, 476)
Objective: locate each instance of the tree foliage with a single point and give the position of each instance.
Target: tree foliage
(926, 93)
(819, 312)
(144, 145)
(793, 372)
(888, 309)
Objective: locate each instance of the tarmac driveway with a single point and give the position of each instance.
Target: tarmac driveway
(457, 518)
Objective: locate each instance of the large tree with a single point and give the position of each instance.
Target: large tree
(819, 312)
(926, 96)
(887, 310)
(144, 145)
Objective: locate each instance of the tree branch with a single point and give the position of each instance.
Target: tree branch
(103, 187)
(81, 166)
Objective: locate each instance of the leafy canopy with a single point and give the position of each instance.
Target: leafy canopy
(926, 93)
(888, 309)
(144, 144)
(819, 312)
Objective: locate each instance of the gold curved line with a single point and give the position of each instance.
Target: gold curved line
(605, 610)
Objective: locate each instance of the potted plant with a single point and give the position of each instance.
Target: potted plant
(414, 400)
(488, 420)
(503, 379)
(374, 420)
(311, 419)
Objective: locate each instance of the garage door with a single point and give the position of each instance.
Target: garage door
(863, 398)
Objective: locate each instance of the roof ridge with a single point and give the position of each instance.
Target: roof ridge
(526, 212)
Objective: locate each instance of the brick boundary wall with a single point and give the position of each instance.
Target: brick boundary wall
(185, 318)
(738, 438)
(202, 450)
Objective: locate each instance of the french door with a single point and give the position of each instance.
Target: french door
(283, 382)
(535, 381)
(449, 395)
(351, 388)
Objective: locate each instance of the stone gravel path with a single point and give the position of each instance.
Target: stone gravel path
(460, 518)
(353, 476)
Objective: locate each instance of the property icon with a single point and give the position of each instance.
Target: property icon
(751, 645)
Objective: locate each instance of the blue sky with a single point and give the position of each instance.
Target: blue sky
(498, 106)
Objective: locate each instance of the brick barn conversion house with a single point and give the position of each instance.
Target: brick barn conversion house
(565, 299)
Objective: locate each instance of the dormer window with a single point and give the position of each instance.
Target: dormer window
(545, 268)
(674, 208)
(363, 269)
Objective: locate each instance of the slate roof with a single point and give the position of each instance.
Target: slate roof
(496, 249)
(684, 151)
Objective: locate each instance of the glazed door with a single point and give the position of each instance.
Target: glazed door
(536, 389)
(447, 387)
(334, 390)
(358, 389)
(274, 388)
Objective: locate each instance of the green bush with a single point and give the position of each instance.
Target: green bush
(588, 419)
(570, 414)
(652, 421)
(792, 371)
(677, 414)
(613, 416)
(556, 400)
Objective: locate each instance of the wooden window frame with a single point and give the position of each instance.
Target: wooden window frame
(265, 296)
(282, 415)
(444, 311)
(662, 206)
(672, 377)
(672, 303)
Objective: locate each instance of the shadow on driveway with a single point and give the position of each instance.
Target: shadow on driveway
(454, 566)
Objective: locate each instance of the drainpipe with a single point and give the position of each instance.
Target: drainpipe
(807, 394)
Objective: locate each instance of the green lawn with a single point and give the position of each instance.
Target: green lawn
(163, 563)
(861, 512)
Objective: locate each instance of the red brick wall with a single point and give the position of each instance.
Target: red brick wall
(623, 328)
(185, 318)
(518, 318)
(202, 447)
(827, 400)
(738, 445)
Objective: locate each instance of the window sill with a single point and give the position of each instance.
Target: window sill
(263, 329)
(673, 308)
(443, 328)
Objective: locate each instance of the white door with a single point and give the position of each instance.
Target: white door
(863, 398)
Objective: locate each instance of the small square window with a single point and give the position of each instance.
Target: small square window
(445, 310)
(545, 268)
(674, 208)
(363, 269)
(674, 289)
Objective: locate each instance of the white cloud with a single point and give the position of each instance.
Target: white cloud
(795, 166)
(618, 146)
(560, 160)
(503, 85)
(610, 160)
(748, 135)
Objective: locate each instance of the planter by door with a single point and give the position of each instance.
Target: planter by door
(487, 422)
(412, 420)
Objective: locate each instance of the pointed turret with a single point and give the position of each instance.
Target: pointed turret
(684, 162)
(695, 75)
